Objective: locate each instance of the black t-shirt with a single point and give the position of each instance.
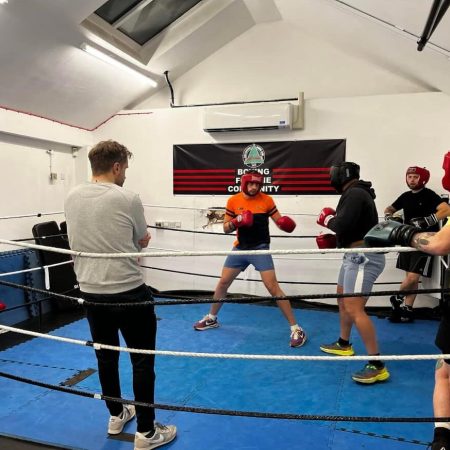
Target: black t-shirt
(356, 214)
(418, 204)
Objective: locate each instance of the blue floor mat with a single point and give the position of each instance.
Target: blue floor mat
(297, 387)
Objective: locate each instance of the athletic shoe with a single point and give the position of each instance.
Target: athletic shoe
(337, 349)
(396, 301)
(206, 323)
(406, 314)
(395, 313)
(116, 423)
(441, 440)
(371, 374)
(163, 435)
(298, 337)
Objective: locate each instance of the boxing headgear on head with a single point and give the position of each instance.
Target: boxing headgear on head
(341, 174)
(251, 177)
(424, 175)
(446, 167)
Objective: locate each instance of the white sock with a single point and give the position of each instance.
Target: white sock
(212, 316)
(442, 425)
(294, 327)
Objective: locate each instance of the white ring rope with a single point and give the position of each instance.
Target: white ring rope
(33, 269)
(226, 355)
(32, 215)
(191, 208)
(210, 253)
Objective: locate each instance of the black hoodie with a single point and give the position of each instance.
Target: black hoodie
(356, 214)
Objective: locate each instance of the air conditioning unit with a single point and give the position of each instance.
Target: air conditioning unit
(260, 116)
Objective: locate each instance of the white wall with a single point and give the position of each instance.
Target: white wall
(25, 182)
(385, 134)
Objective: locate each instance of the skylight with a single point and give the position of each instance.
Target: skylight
(141, 20)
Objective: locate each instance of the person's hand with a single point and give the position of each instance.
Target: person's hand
(390, 233)
(394, 218)
(143, 243)
(245, 219)
(326, 240)
(285, 223)
(325, 216)
(424, 222)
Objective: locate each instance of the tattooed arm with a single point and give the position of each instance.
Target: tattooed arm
(437, 243)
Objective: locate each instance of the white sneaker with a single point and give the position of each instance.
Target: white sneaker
(116, 423)
(163, 435)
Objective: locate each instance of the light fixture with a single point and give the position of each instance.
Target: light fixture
(3, 2)
(114, 62)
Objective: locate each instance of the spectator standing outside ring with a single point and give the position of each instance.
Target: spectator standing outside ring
(422, 208)
(434, 243)
(249, 212)
(103, 217)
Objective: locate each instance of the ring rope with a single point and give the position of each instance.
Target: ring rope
(31, 215)
(222, 234)
(255, 279)
(209, 253)
(223, 412)
(33, 269)
(191, 301)
(98, 346)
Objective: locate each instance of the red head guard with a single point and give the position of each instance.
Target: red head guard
(424, 175)
(251, 177)
(446, 167)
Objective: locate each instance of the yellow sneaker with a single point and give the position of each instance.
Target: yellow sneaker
(371, 374)
(336, 349)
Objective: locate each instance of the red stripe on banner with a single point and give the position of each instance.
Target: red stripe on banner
(301, 169)
(288, 183)
(203, 171)
(303, 176)
(312, 189)
(192, 177)
(200, 183)
(198, 189)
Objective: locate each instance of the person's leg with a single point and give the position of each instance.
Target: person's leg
(270, 281)
(229, 274)
(345, 321)
(138, 328)
(298, 336)
(355, 311)
(441, 406)
(104, 330)
(342, 346)
(411, 282)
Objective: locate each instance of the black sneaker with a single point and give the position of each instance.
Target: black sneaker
(441, 440)
(396, 302)
(406, 314)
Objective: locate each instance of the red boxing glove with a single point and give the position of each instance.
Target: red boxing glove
(285, 223)
(325, 216)
(327, 240)
(245, 219)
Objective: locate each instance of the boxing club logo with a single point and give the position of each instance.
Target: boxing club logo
(253, 156)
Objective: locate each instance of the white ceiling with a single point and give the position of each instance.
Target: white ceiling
(44, 72)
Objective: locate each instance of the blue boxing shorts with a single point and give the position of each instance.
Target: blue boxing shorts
(260, 262)
(359, 271)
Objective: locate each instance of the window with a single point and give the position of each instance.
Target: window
(141, 20)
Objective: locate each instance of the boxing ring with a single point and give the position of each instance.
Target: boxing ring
(239, 386)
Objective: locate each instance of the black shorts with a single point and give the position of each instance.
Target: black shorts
(416, 262)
